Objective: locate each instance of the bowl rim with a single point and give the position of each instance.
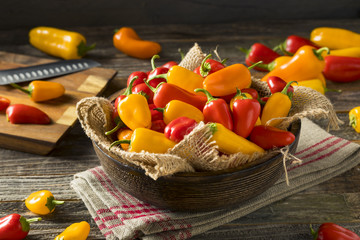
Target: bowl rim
(226, 172)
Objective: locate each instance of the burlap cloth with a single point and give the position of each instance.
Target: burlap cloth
(196, 152)
(121, 216)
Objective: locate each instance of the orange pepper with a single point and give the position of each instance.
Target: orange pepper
(40, 91)
(128, 41)
(227, 80)
(42, 202)
(124, 134)
(307, 63)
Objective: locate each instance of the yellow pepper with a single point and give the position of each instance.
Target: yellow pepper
(59, 43)
(227, 80)
(183, 78)
(176, 108)
(277, 106)
(315, 84)
(354, 117)
(229, 142)
(134, 111)
(76, 231)
(144, 139)
(335, 38)
(346, 52)
(307, 63)
(40, 91)
(41, 202)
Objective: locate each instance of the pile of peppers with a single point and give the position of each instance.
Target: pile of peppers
(327, 54)
(159, 108)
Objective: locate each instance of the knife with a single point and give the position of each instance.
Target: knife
(47, 70)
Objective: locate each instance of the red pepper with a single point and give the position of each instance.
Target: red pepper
(276, 84)
(4, 103)
(209, 66)
(342, 69)
(269, 137)
(15, 227)
(166, 92)
(21, 113)
(178, 128)
(293, 43)
(143, 89)
(156, 71)
(216, 110)
(332, 231)
(169, 64)
(158, 125)
(141, 78)
(245, 112)
(259, 52)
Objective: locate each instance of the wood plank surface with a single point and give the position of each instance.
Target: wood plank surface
(336, 200)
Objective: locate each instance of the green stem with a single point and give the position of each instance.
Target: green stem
(332, 90)
(119, 125)
(164, 75)
(205, 67)
(119, 142)
(25, 223)
(213, 127)
(285, 89)
(244, 50)
(255, 64)
(319, 51)
(353, 121)
(208, 95)
(240, 94)
(20, 88)
(128, 90)
(83, 48)
(160, 109)
(153, 61)
(181, 54)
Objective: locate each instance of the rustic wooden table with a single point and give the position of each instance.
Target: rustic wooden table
(337, 200)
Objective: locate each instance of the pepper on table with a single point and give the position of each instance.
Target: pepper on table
(144, 139)
(332, 231)
(42, 202)
(40, 91)
(22, 113)
(259, 52)
(354, 118)
(335, 38)
(178, 128)
(229, 142)
(342, 69)
(216, 110)
(293, 43)
(59, 43)
(15, 227)
(307, 63)
(128, 41)
(76, 231)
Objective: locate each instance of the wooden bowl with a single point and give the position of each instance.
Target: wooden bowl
(198, 191)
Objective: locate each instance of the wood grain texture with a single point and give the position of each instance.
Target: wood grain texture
(334, 200)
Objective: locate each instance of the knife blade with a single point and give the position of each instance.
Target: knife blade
(44, 71)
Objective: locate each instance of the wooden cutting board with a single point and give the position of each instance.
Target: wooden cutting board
(41, 139)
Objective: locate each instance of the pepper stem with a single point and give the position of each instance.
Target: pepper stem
(285, 89)
(240, 94)
(208, 95)
(128, 90)
(318, 52)
(181, 54)
(205, 67)
(20, 88)
(83, 48)
(255, 64)
(153, 61)
(164, 75)
(25, 223)
(117, 127)
(120, 142)
(213, 127)
(51, 203)
(353, 122)
(160, 109)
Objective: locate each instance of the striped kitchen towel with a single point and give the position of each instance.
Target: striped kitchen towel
(122, 216)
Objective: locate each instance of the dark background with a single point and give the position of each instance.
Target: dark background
(62, 13)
